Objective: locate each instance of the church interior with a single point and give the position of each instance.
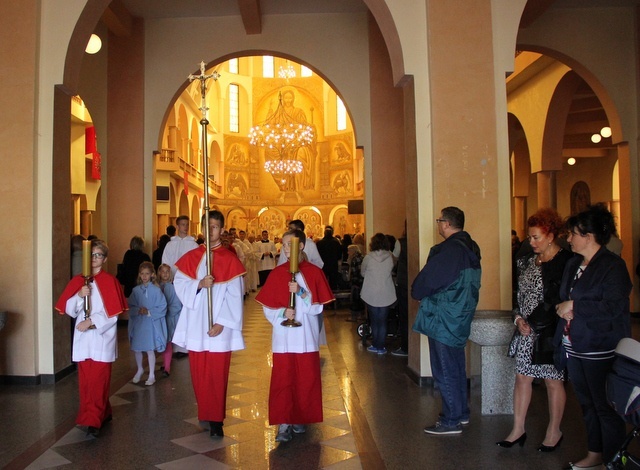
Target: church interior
(395, 109)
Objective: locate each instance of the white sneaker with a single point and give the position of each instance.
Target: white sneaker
(150, 381)
(137, 377)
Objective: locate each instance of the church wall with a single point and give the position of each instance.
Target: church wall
(127, 187)
(18, 256)
(388, 195)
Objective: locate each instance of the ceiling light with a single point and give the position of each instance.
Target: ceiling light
(605, 132)
(571, 161)
(94, 44)
(596, 138)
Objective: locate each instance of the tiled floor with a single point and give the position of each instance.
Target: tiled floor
(373, 418)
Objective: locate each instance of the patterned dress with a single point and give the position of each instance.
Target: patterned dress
(530, 295)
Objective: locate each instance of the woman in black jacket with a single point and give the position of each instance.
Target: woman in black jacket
(594, 316)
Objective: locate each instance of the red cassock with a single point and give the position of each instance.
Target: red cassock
(295, 393)
(94, 375)
(210, 370)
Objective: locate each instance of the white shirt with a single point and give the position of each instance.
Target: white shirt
(302, 339)
(99, 344)
(311, 250)
(176, 248)
(266, 248)
(193, 324)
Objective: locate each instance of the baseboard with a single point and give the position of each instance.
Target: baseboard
(421, 381)
(42, 379)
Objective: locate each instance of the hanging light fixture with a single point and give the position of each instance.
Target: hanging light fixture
(281, 137)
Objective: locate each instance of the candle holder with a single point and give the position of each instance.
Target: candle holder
(294, 252)
(86, 272)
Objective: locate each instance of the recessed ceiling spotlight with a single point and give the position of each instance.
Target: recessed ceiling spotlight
(596, 138)
(605, 132)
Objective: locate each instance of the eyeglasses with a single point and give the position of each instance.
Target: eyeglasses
(97, 255)
(441, 220)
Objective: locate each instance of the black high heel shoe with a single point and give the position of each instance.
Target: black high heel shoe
(520, 441)
(544, 448)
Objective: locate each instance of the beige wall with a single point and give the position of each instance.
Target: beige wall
(18, 256)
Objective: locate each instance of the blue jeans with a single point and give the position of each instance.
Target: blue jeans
(378, 319)
(450, 376)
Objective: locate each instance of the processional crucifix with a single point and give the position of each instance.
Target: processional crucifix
(204, 122)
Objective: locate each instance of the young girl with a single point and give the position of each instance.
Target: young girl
(173, 312)
(147, 325)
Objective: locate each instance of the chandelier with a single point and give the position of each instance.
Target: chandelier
(281, 137)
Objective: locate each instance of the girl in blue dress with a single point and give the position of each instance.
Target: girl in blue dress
(147, 325)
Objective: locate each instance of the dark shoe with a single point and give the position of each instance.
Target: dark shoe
(299, 428)
(573, 466)
(399, 352)
(91, 431)
(108, 419)
(285, 433)
(508, 444)
(215, 429)
(544, 448)
(165, 373)
(441, 430)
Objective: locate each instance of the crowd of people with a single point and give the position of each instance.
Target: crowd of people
(571, 307)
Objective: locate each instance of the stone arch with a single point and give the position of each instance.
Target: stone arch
(556, 118)
(596, 85)
(383, 17)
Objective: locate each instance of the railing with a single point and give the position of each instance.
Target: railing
(168, 160)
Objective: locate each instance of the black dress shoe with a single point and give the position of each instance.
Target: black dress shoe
(108, 419)
(91, 431)
(507, 444)
(544, 448)
(215, 429)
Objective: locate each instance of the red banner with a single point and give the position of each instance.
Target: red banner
(186, 183)
(96, 166)
(90, 144)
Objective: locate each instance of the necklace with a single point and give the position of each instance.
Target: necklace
(540, 258)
